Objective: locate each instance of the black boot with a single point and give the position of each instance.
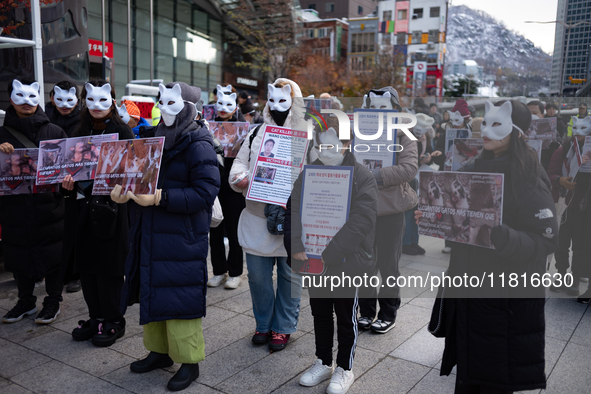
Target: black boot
(186, 374)
(152, 362)
(85, 330)
(108, 333)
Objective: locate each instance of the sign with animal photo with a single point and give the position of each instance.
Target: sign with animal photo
(460, 206)
(230, 134)
(536, 145)
(586, 153)
(465, 151)
(209, 112)
(18, 172)
(77, 157)
(544, 129)
(133, 164)
(450, 136)
(573, 161)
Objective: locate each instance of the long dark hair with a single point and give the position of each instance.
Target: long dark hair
(86, 120)
(525, 167)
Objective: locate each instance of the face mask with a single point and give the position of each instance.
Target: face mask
(380, 102)
(171, 103)
(456, 118)
(98, 98)
(122, 111)
(25, 94)
(497, 123)
(279, 98)
(226, 102)
(581, 126)
(224, 90)
(64, 98)
(330, 156)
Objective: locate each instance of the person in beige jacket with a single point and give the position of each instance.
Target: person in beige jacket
(394, 197)
(276, 314)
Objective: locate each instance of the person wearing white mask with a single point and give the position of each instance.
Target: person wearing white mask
(64, 109)
(276, 313)
(32, 224)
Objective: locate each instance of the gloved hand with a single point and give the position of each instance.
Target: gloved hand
(146, 200)
(117, 197)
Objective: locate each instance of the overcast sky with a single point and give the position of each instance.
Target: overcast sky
(514, 13)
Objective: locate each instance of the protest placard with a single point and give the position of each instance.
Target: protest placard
(18, 171)
(230, 134)
(465, 151)
(278, 164)
(324, 210)
(536, 145)
(573, 161)
(544, 129)
(133, 164)
(450, 136)
(461, 206)
(377, 153)
(77, 157)
(209, 112)
(313, 105)
(586, 152)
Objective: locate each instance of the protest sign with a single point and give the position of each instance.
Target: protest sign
(209, 112)
(324, 210)
(312, 104)
(18, 172)
(450, 136)
(133, 164)
(586, 152)
(278, 164)
(377, 153)
(573, 160)
(77, 157)
(465, 151)
(544, 129)
(230, 134)
(536, 145)
(460, 206)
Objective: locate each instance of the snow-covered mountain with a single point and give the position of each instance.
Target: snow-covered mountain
(475, 35)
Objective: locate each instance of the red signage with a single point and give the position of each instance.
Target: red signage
(94, 48)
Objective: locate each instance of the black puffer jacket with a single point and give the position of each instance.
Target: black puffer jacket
(32, 224)
(68, 123)
(495, 334)
(355, 241)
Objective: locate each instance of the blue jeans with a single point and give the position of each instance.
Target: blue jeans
(411, 234)
(277, 312)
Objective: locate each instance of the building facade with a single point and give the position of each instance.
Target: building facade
(325, 37)
(362, 43)
(328, 9)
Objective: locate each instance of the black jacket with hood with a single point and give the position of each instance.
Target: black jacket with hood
(68, 123)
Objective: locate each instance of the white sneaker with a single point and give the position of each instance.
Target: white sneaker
(217, 280)
(233, 282)
(446, 250)
(316, 374)
(340, 382)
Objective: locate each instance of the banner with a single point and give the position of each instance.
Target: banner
(378, 153)
(230, 134)
(18, 172)
(586, 152)
(324, 210)
(465, 151)
(278, 164)
(544, 129)
(133, 164)
(209, 112)
(420, 78)
(460, 206)
(450, 136)
(77, 157)
(537, 146)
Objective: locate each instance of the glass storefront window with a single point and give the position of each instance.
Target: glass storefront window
(60, 30)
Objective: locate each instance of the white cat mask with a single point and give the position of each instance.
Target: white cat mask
(226, 102)
(25, 94)
(380, 102)
(171, 103)
(497, 123)
(225, 90)
(279, 98)
(456, 118)
(122, 111)
(64, 98)
(329, 148)
(98, 97)
(582, 126)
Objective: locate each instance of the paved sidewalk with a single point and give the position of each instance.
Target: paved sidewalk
(45, 359)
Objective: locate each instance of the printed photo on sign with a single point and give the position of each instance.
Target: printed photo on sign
(230, 134)
(77, 157)
(465, 151)
(460, 206)
(209, 113)
(380, 152)
(18, 172)
(573, 161)
(536, 145)
(450, 136)
(586, 153)
(317, 104)
(133, 164)
(265, 174)
(542, 129)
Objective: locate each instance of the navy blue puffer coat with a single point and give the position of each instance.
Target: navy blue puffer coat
(166, 268)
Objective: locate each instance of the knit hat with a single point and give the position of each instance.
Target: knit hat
(462, 107)
(132, 108)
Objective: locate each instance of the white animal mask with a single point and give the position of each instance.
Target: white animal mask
(225, 90)
(171, 103)
(98, 97)
(64, 98)
(497, 123)
(330, 156)
(420, 132)
(122, 111)
(226, 102)
(25, 94)
(380, 102)
(582, 126)
(456, 118)
(280, 98)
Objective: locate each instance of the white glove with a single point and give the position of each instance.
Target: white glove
(146, 200)
(117, 197)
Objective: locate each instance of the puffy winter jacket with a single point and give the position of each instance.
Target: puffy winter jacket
(68, 123)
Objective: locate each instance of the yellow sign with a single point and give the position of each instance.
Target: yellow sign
(576, 81)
